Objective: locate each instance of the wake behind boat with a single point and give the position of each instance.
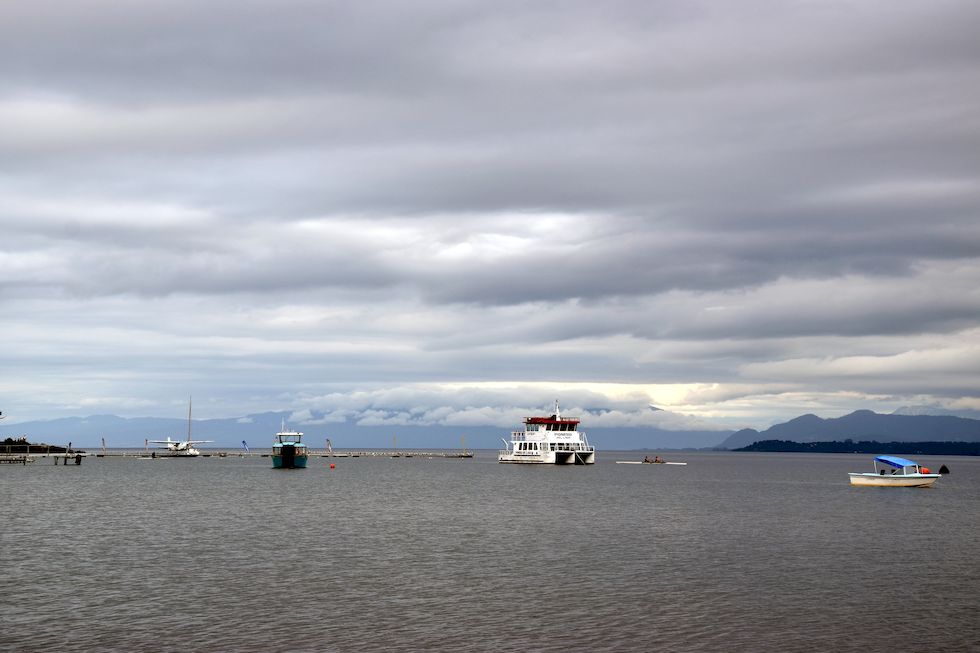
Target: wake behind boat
(894, 472)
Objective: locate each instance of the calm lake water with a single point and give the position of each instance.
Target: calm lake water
(734, 552)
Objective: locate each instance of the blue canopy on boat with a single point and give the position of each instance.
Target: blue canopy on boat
(895, 461)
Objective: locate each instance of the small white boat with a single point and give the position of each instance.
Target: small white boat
(895, 472)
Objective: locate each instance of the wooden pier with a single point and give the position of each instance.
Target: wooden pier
(24, 458)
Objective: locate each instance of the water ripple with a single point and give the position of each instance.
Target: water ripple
(732, 553)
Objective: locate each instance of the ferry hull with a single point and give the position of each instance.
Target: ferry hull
(890, 480)
(549, 458)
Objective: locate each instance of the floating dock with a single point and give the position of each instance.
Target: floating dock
(395, 454)
(15, 458)
(375, 453)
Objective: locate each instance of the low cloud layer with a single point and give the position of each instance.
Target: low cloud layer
(738, 213)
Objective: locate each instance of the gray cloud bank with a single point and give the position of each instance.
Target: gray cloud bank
(773, 204)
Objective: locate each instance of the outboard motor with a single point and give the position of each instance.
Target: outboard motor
(288, 456)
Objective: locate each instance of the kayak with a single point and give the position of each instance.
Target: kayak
(640, 462)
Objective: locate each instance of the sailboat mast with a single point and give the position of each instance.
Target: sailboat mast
(189, 404)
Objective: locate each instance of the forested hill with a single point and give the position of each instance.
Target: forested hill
(869, 446)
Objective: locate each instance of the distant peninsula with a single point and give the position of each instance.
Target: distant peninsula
(868, 446)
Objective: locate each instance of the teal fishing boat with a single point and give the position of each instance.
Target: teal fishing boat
(289, 450)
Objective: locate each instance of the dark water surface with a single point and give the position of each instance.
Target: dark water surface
(735, 552)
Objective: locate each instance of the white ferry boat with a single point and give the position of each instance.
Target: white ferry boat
(553, 440)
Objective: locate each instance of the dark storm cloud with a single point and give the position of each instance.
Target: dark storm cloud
(646, 192)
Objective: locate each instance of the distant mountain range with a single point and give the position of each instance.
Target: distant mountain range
(259, 429)
(863, 425)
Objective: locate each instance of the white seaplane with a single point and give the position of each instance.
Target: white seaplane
(181, 448)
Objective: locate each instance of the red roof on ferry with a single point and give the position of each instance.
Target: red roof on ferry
(549, 420)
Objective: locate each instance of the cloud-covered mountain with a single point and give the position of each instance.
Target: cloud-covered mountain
(936, 410)
(864, 425)
(674, 432)
(258, 431)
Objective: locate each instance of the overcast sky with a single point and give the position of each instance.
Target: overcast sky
(445, 212)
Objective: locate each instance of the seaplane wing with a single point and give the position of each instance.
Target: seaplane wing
(169, 442)
(178, 445)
